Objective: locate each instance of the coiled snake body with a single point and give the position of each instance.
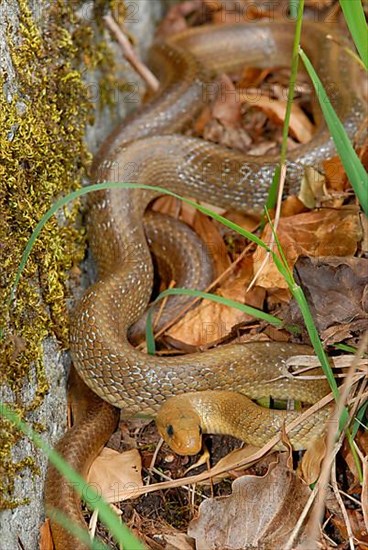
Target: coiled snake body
(147, 148)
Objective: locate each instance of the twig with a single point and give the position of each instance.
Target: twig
(190, 488)
(364, 496)
(342, 506)
(290, 543)
(158, 447)
(130, 55)
(275, 226)
(331, 449)
(355, 500)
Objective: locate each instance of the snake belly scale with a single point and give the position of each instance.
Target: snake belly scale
(147, 148)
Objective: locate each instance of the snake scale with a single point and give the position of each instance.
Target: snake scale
(149, 147)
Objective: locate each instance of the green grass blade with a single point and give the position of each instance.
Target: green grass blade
(120, 532)
(358, 420)
(296, 12)
(63, 201)
(249, 310)
(355, 20)
(224, 301)
(354, 169)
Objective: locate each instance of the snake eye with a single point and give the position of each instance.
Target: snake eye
(170, 430)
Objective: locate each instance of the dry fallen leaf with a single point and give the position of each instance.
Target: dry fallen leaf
(326, 232)
(209, 232)
(260, 513)
(179, 541)
(237, 455)
(335, 174)
(212, 321)
(300, 125)
(224, 126)
(310, 466)
(116, 474)
(337, 293)
(312, 188)
(46, 542)
(361, 439)
(357, 526)
(227, 109)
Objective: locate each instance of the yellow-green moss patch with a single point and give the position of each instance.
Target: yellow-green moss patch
(43, 155)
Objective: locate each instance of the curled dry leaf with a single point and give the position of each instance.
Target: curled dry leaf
(116, 475)
(313, 188)
(260, 513)
(323, 233)
(310, 466)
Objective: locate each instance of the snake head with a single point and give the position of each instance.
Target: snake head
(179, 426)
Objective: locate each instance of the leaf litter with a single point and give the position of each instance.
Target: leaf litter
(260, 508)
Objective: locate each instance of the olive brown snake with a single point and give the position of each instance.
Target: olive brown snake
(148, 148)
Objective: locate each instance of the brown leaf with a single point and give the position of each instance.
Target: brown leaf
(361, 440)
(313, 188)
(261, 512)
(252, 77)
(292, 206)
(263, 148)
(116, 474)
(335, 174)
(227, 107)
(247, 221)
(228, 460)
(357, 526)
(167, 205)
(336, 290)
(322, 233)
(207, 324)
(212, 321)
(202, 120)
(179, 541)
(310, 466)
(300, 125)
(234, 138)
(210, 235)
(46, 542)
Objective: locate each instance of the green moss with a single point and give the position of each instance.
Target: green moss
(43, 156)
